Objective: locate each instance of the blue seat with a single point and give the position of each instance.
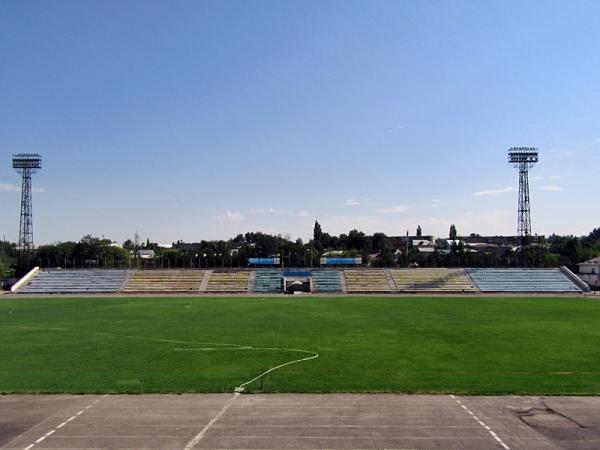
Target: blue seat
(326, 281)
(522, 280)
(76, 281)
(268, 281)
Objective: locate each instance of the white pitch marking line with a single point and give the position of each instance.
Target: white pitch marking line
(480, 422)
(73, 417)
(209, 425)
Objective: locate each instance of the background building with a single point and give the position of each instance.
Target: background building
(589, 271)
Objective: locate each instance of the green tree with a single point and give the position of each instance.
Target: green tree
(7, 260)
(378, 240)
(453, 232)
(359, 241)
(317, 232)
(60, 254)
(387, 257)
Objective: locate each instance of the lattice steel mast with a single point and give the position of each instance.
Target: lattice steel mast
(27, 165)
(522, 158)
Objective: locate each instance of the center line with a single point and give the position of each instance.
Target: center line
(480, 422)
(209, 425)
(74, 416)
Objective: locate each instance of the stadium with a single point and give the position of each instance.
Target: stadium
(299, 225)
(272, 277)
(378, 346)
(298, 281)
(356, 352)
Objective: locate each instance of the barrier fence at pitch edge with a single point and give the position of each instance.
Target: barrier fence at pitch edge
(352, 281)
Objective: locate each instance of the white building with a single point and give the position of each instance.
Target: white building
(423, 243)
(589, 272)
(146, 254)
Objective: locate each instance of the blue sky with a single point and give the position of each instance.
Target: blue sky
(198, 120)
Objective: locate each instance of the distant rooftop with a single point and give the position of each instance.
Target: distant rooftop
(594, 261)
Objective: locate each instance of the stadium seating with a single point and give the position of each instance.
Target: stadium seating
(228, 281)
(367, 281)
(326, 281)
(522, 280)
(75, 281)
(353, 281)
(270, 280)
(176, 281)
(432, 280)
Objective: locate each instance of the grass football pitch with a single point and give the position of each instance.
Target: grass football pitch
(472, 345)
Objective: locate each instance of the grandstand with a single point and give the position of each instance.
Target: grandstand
(228, 281)
(352, 281)
(368, 281)
(522, 280)
(76, 281)
(327, 281)
(164, 281)
(432, 280)
(268, 280)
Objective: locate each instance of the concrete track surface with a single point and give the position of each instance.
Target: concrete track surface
(290, 421)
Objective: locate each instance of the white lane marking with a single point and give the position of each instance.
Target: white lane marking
(51, 432)
(215, 346)
(480, 422)
(236, 347)
(314, 355)
(214, 420)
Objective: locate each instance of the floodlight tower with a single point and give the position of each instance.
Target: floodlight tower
(26, 164)
(522, 158)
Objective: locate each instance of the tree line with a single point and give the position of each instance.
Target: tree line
(376, 250)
